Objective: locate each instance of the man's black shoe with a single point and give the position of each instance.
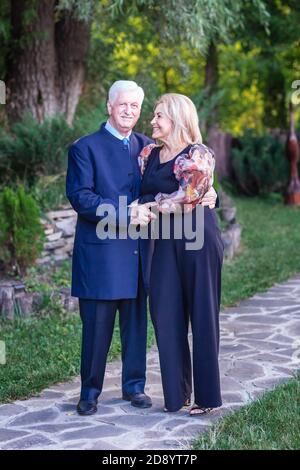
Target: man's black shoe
(86, 408)
(140, 400)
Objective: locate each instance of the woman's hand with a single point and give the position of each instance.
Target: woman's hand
(209, 198)
(141, 214)
(134, 203)
(168, 207)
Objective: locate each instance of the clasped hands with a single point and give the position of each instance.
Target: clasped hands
(140, 214)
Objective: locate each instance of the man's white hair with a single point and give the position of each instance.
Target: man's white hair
(124, 85)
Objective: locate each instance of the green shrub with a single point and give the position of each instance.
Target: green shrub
(49, 192)
(21, 233)
(32, 149)
(89, 117)
(259, 164)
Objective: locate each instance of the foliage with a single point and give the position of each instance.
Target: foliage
(49, 191)
(83, 10)
(32, 152)
(46, 278)
(40, 351)
(270, 423)
(21, 234)
(150, 41)
(32, 149)
(163, 45)
(242, 103)
(277, 58)
(198, 21)
(44, 350)
(259, 164)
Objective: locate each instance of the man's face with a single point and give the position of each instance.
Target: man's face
(125, 111)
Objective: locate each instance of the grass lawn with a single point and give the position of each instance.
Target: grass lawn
(270, 253)
(41, 351)
(270, 423)
(270, 250)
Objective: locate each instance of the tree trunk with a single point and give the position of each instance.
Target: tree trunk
(211, 84)
(45, 67)
(71, 41)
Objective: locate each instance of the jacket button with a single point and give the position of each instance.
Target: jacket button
(135, 252)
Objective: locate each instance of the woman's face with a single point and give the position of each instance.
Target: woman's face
(161, 124)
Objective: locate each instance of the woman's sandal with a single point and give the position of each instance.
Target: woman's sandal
(199, 410)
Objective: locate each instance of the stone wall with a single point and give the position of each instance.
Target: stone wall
(231, 235)
(15, 301)
(59, 227)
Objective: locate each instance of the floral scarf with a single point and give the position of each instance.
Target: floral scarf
(193, 170)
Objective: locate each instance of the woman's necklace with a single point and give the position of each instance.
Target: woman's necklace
(165, 154)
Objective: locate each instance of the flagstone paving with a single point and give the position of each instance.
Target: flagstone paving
(260, 348)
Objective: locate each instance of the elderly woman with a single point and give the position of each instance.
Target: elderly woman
(185, 285)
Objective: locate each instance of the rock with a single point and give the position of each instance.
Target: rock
(71, 303)
(14, 299)
(45, 223)
(231, 238)
(50, 246)
(44, 260)
(7, 301)
(37, 301)
(67, 226)
(226, 201)
(61, 257)
(228, 214)
(52, 215)
(235, 231)
(44, 253)
(61, 251)
(228, 245)
(24, 304)
(53, 236)
(59, 236)
(69, 250)
(8, 289)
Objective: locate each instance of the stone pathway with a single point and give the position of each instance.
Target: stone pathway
(260, 347)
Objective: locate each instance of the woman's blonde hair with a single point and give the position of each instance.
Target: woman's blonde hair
(182, 112)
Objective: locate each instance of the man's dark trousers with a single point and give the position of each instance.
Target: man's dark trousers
(98, 319)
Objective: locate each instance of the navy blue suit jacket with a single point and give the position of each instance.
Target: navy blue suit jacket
(100, 169)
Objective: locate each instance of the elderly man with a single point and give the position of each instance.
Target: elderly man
(111, 274)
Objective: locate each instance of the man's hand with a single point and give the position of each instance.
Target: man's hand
(168, 207)
(141, 215)
(134, 203)
(209, 198)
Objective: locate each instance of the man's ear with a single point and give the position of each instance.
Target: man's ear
(108, 108)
